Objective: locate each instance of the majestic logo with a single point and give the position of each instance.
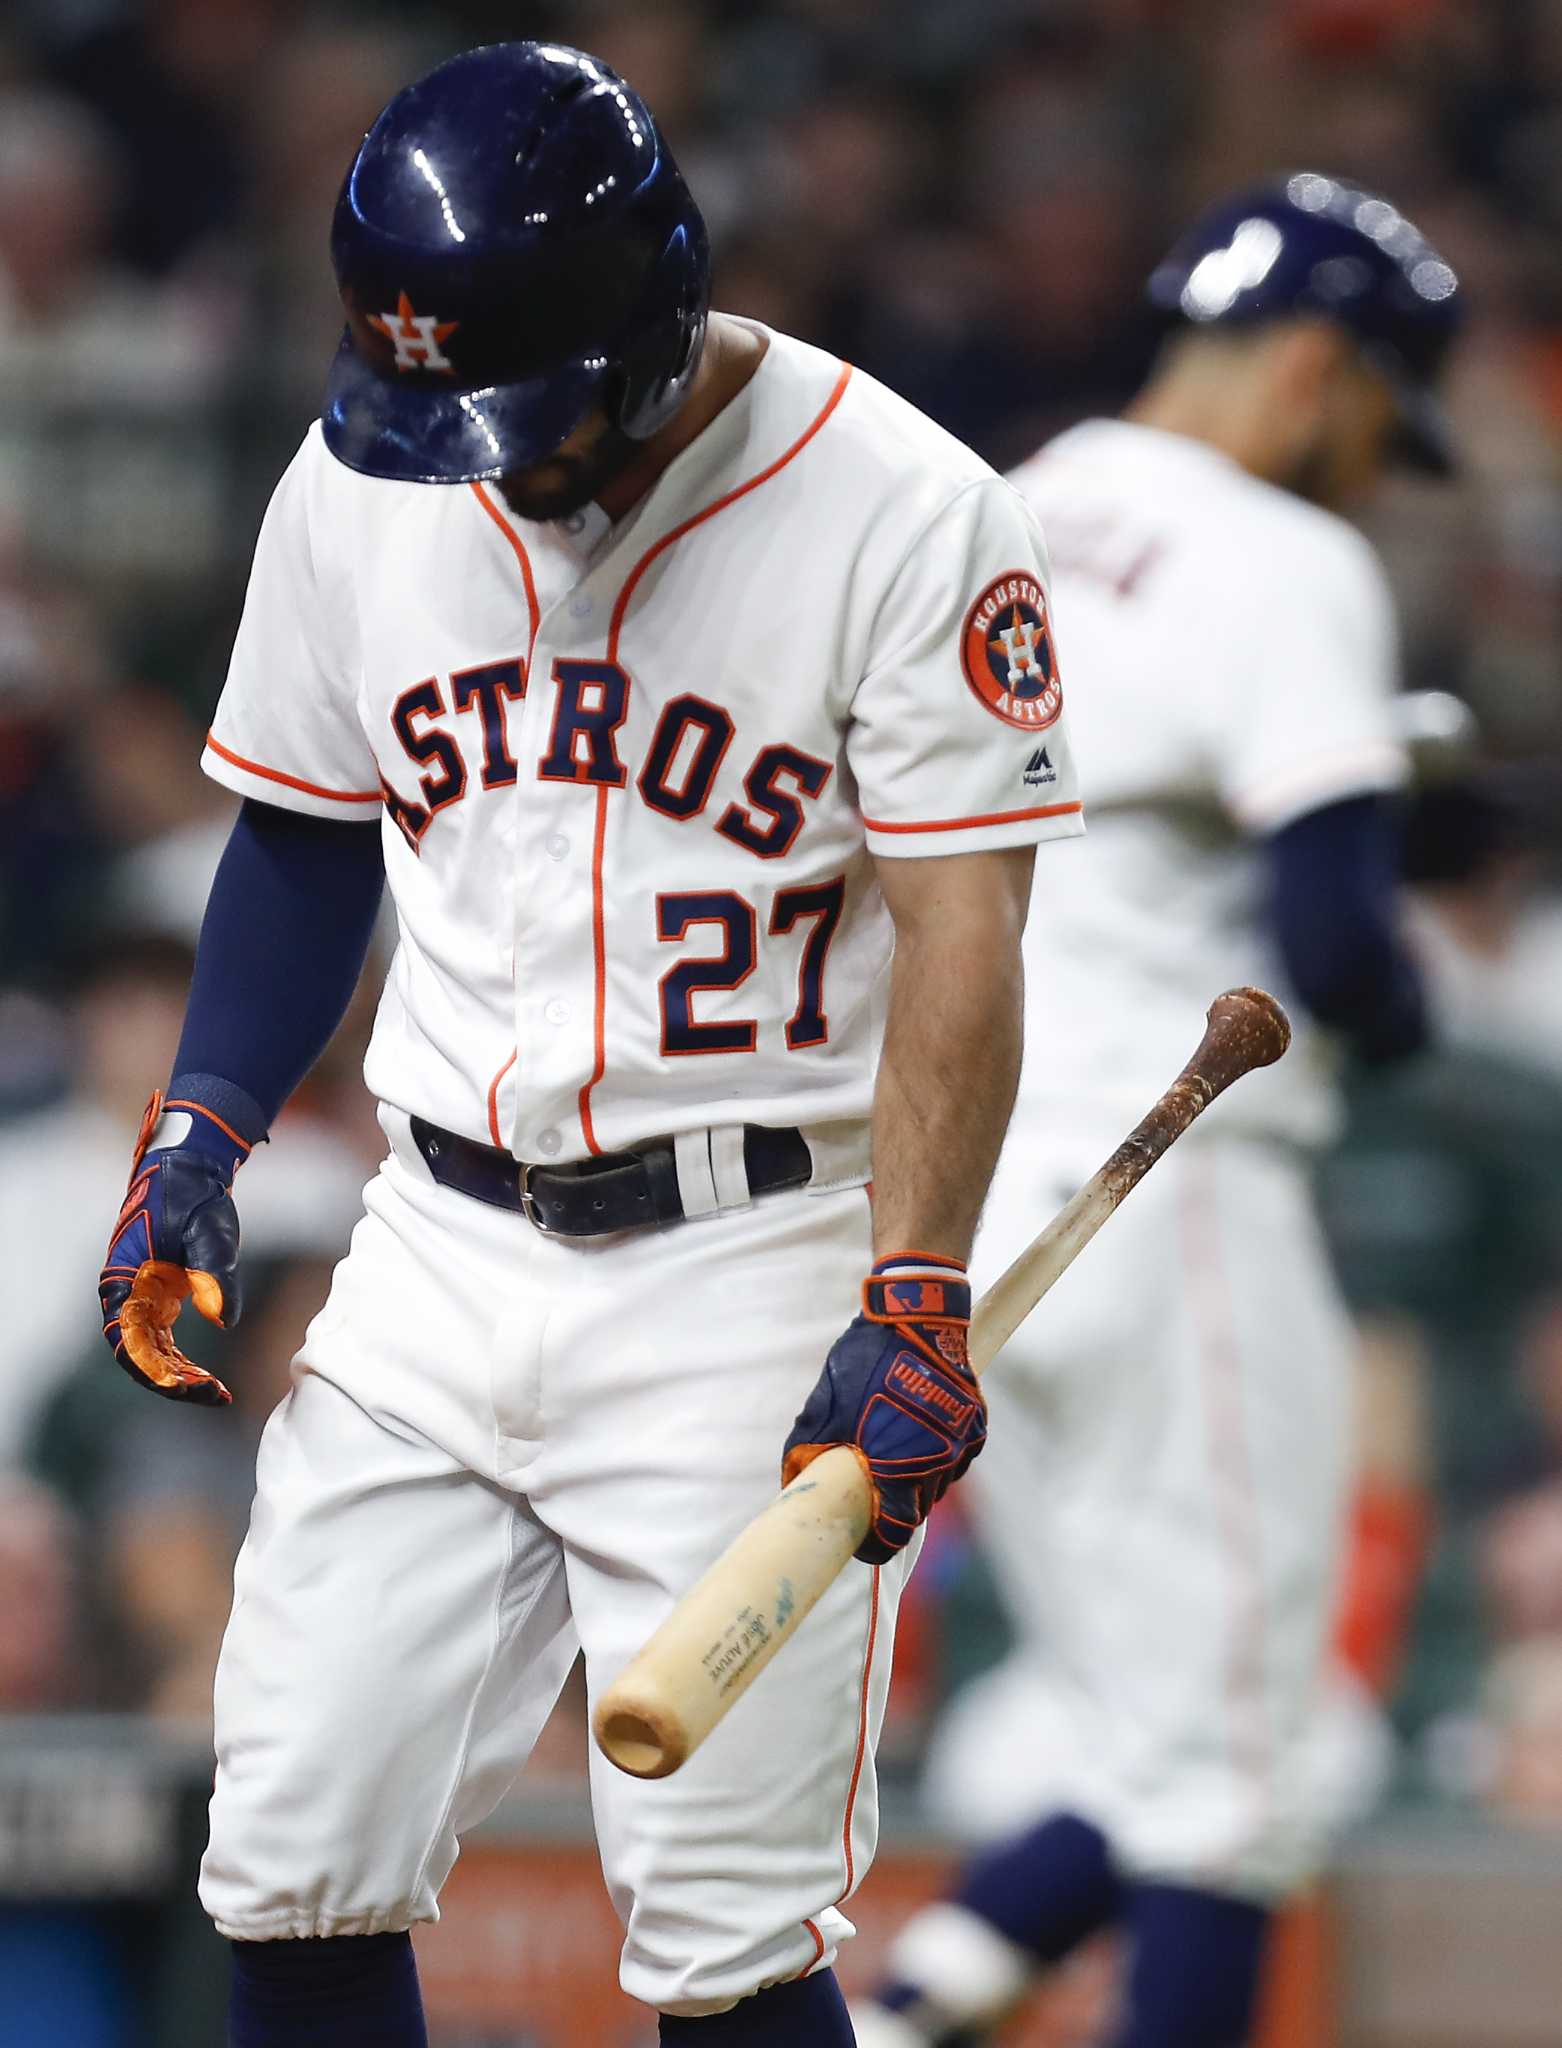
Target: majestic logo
(417, 336)
(1006, 651)
(1039, 769)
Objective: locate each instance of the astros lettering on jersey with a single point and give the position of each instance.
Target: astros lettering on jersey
(631, 776)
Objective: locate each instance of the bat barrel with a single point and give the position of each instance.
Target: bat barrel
(718, 1639)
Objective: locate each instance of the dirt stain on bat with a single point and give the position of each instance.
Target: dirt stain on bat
(1246, 1028)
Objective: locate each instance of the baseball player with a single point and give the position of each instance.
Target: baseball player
(1169, 1438)
(712, 674)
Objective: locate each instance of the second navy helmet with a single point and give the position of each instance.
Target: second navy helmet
(1309, 244)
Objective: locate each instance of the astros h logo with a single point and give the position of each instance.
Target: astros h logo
(417, 336)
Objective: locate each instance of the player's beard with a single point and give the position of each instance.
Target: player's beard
(562, 484)
(1343, 462)
(1314, 476)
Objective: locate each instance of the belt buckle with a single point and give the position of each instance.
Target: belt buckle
(529, 1208)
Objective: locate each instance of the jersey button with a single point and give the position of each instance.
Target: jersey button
(556, 1011)
(574, 523)
(548, 1143)
(581, 607)
(557, 846)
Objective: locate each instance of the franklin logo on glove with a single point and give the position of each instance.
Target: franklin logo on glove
(904, 1373)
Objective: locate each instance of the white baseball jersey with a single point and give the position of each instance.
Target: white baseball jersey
(1231, 653)
(631, 775)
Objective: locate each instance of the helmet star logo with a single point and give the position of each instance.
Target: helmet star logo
(417, 336)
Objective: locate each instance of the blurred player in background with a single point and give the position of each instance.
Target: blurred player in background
(1163, 1491)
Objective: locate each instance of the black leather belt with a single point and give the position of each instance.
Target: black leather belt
(619, 1191)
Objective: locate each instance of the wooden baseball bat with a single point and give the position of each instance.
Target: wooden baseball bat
(726, 1629)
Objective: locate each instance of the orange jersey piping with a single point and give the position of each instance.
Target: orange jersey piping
(534, 610)
(862, 1736)
(615, 627)
(340, 796)
(519, 547)
(493, 1098)
(965, 824)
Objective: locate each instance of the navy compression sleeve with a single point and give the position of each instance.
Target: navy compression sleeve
(285, 936)
(1333, 878)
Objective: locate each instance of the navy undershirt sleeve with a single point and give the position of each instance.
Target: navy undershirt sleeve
(1334, 875)
(285, 936)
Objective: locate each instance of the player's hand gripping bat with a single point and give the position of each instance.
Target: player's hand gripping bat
(726, 1629)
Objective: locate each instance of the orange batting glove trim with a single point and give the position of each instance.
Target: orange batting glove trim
(801, 1456)
(146, 1324)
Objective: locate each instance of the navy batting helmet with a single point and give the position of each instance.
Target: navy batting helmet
(1311, 245)
(514, 245)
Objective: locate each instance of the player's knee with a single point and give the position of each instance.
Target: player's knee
(260, 1889)
(692, 1970)
(300, 1851)
(685, 1986)
(807, 2009)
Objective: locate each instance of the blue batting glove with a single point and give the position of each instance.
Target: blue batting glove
(177, 1234)
(897, 1388)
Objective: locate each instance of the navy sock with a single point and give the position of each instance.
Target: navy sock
(807, 2013)
(1193, 1968)
(1046, 1890)
(1042, 1893)
(343, 1991)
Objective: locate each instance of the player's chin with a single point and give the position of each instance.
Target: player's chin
(549, 490)
(1341, 476)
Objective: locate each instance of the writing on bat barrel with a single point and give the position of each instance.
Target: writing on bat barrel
(740, 1642)
(745, 1637)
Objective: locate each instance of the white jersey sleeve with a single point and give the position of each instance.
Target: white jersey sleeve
(957, 741)
(1310, 723)
(287, 729)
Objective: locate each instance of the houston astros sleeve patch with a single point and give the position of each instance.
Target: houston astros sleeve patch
(1006, 651)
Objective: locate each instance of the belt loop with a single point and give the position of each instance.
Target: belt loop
(696, 1181)
(842, 1154)
(729, 1169)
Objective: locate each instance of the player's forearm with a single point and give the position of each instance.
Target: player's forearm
(285, 936)
(951, 1058)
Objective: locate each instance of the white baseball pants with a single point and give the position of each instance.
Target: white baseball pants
(1162, 1494)
(498, 1446)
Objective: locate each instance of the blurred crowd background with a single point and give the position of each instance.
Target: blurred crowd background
(962, 196)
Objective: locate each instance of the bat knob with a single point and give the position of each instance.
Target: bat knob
(1253, 1029)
